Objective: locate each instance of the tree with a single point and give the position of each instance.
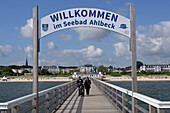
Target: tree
(139, 63)
(123, 72)
(25, 71)
(7, 71)
(110, 69)
(102, 69)
(44, 72)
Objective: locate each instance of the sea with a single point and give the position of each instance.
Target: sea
(156, 89)
(13, 90)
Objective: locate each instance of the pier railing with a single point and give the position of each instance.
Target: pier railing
(57, 95)
(121, 98)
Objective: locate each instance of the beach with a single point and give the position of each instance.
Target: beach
(138, 78)
(48, 79)
(53, 79)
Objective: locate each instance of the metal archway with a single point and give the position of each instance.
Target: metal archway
(86, 17)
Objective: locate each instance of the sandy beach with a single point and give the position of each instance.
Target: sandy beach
(53, 79)
(138, 79)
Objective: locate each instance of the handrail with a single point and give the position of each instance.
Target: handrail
(67, 89)
(153, 103)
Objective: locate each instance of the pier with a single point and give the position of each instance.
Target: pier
(96, 102)
(104, 98)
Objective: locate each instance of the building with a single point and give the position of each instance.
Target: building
(68, 69)
(30, 70)
(88, 68)
(155, 68)
(59, 69)
(52, 69)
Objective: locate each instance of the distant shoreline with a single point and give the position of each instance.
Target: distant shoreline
(138, 79)
(50, 79)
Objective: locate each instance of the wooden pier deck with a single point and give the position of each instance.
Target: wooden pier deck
(96, 102)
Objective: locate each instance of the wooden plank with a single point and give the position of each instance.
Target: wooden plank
(54, 99)
(159, 110)
(123, 103)
(47, 103)
(4, 111)
(15, 109)
(96, 102)
(152, 109)
(141, 109)
(117, 98)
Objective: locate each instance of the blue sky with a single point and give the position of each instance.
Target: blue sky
(79, 46)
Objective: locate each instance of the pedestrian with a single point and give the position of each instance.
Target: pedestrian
(87, 85)
(80, 86)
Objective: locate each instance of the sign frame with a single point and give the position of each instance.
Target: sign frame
(36, 44)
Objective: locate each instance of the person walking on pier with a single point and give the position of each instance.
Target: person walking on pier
(87, 85)
(80, 86)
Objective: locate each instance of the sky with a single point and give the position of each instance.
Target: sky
(83, 45)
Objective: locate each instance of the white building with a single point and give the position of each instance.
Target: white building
(156, 68)
(87, 68)
(22, 69)
(52, 69)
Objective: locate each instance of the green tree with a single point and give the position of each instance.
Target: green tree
(44, 72)
(139, 63)
(25, 71)
(102, 69)
(7, 71)
(123, 72)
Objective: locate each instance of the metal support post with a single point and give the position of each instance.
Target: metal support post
(35, 59)
(133, 50)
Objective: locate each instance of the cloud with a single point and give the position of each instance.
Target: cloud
(51, 45)
(108, 2)
(122, 11)
(152, 43)
(160, 30)
(141, 28)
(95, 34)
(121, 37)
(29, 50)
(90, 52)
(27, 30)
(65, 37)
(128, 4)
(121, 49)
(5, 49)
(76, 56)
(19, 47)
